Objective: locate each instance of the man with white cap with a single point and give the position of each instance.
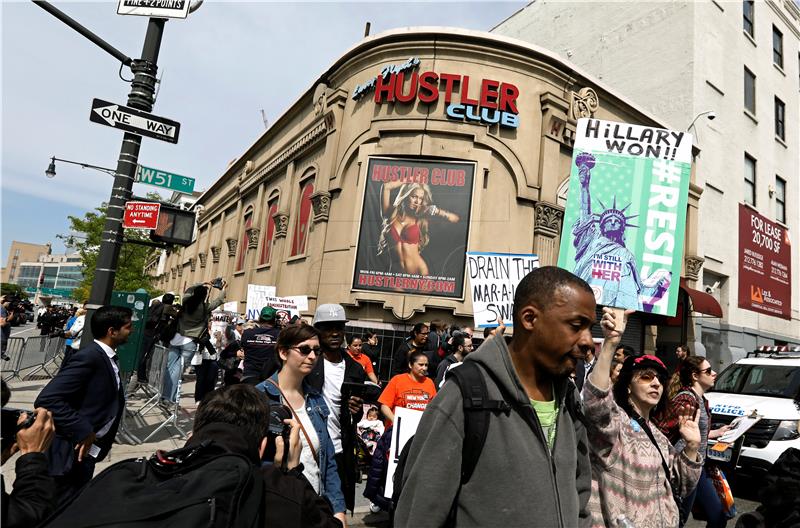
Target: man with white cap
(336, 368)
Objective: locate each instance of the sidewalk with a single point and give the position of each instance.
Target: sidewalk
(23, 394)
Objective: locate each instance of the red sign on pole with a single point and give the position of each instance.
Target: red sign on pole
(765, 265)
(141, 215)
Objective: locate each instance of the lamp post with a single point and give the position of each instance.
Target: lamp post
(51, 169)
(712, 115)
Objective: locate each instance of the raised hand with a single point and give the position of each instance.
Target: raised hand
(689, 429)
(613, 323)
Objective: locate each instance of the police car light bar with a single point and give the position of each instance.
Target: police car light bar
(778, 349)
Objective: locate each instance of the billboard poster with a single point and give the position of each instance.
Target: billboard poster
(765, 265)
(414, 227)
(625, 219)
(493, 281)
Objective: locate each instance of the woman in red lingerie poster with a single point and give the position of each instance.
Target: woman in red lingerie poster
(405, 234)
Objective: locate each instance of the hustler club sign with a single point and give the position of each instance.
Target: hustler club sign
(495, 102)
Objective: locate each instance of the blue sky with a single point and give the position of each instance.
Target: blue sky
(220, 68)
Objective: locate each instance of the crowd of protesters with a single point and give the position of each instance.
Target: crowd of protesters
(579, 431)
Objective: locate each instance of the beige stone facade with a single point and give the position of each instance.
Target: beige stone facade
(22, 252)
(327, 138)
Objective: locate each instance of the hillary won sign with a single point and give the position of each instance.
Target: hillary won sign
(626, 213)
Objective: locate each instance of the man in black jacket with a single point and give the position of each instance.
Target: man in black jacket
(32, 498)
(346, 410)
(87, 401)
(416, 342)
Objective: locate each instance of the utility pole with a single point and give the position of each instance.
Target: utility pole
(141, 97)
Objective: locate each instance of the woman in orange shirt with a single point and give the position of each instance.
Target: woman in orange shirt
(412, 390)
(354, 349)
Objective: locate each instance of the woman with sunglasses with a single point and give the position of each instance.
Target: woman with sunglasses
(298, 350)
(636, 473)
(687, 396)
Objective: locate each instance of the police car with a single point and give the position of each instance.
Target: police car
(766, 382)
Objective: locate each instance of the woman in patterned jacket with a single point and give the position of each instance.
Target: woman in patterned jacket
(636, 473)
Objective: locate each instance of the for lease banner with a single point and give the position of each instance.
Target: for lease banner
(414, 227)
(765, 265)
(493, 280)
(626, 213)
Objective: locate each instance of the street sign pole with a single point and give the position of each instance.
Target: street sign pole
(142, 97)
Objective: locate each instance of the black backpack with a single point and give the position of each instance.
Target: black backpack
(478, 409)
(200, 486)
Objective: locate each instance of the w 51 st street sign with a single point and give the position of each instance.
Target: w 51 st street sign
(134, 121)
(167, 180)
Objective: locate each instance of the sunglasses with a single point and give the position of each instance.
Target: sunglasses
(646, 375)
(706, 371)
(306, 350)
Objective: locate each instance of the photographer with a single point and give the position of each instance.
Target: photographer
(6, 317)
(32, 498)
(192, 330)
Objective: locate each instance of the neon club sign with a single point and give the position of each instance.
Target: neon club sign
(496, 102)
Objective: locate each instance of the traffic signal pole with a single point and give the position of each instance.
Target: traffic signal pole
(141, 97)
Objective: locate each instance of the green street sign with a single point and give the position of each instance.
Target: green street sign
(167, 180)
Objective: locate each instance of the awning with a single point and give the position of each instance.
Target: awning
(701, 301)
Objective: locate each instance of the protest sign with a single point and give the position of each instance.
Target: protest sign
(414, 227)
(626, 213)
(287, 307)
(232, 306)
(493, 279)
(404, 427)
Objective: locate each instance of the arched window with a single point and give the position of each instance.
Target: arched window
(269, 233)
(303, 218)
(248, 223)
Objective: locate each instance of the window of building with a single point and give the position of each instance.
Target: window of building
(777, 47)
(748, 16)
(303, 216)
(269, 233)
(780, 199)
(248, 223)
(780, 119)
(749, 91)
(749, 179)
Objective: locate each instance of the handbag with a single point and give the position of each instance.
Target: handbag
(723, 490)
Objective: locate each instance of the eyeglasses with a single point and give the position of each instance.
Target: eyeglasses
(306, 350)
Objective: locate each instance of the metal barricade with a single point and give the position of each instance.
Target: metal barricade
(155, 378)
(15, 347)
(48, 349)
(158, 372)
(33, 354)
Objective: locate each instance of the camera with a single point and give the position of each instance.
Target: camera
(217, 283)
(277, 414)
(276, 428)
(10, 427)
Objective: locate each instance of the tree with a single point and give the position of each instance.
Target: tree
(130, 274)
(7, 288)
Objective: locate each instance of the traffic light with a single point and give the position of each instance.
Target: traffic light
(175, 226)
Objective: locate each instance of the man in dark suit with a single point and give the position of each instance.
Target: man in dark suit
(584, 367)
(87, 402)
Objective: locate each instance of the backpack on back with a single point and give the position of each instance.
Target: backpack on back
(201, 485)
(478, 409)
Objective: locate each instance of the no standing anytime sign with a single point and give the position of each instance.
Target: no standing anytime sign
(141, 215)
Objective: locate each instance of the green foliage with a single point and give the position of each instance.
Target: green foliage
(6, 288)
(132, 257)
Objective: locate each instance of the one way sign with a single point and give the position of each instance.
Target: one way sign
(134, 121)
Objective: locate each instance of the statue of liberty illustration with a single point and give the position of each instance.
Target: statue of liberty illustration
(601, 257)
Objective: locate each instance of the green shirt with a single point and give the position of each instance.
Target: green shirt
(547, 412)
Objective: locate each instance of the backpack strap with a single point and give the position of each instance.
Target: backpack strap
(478, 409)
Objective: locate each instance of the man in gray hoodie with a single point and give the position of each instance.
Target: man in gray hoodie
(534, 467)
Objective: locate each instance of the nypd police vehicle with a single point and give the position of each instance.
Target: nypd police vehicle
(765, 383)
